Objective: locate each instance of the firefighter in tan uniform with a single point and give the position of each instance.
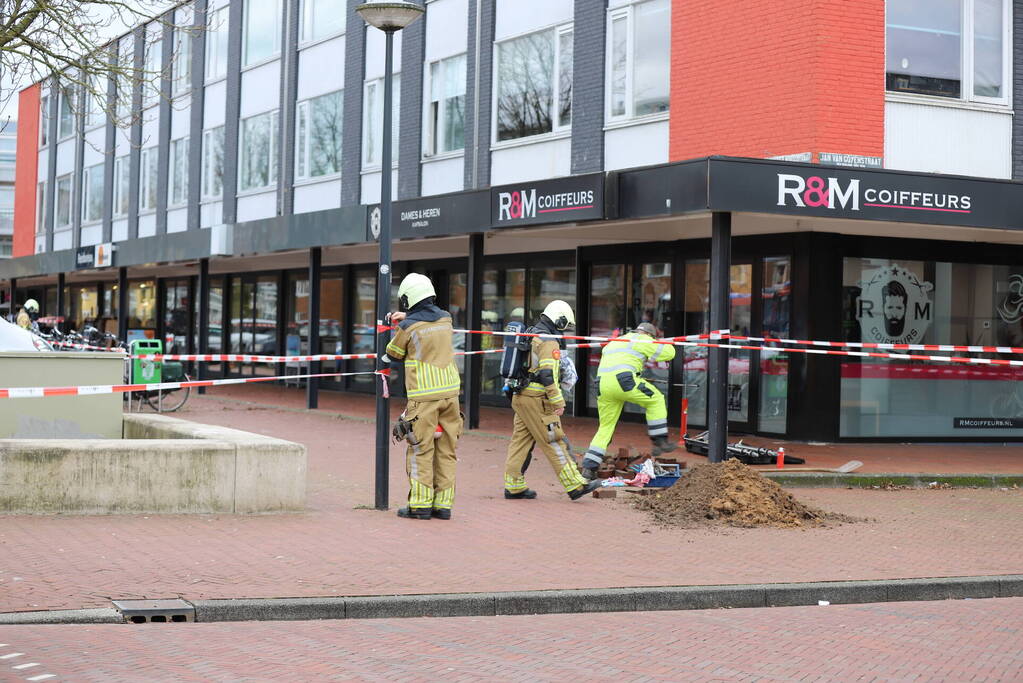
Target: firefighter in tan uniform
(424, 342)
(538, 409)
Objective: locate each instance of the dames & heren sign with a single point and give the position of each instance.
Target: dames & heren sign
(575, 198)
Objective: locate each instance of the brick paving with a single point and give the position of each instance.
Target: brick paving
(339, 547)
(965, 640)
(962, 458)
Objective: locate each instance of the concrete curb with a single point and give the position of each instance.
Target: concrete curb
(868, 480)
(629, 599)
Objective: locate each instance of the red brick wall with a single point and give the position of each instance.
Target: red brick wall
(763, 78)
(26, 172)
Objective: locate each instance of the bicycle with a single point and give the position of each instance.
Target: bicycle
(160, 400)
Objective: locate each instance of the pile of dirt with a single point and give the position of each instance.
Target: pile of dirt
(734, 494)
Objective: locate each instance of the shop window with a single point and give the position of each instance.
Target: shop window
(262, 30)
(84, 303)
(776, 299)
(639, 59)
(63, 201)
(318, 136)
(122, 168)
(177, 306)
(504, 301)
(177, 188)
(373, 122)
(258, 157)
(331, 332)
(213, 163)
(534, 84)
(215, 339)
(147, 179)
(948, 48)
(141, 310)
(458, 290)
(445, 110)
(925, 302)
(363, 337)
(322, 19)
(216, 44)
(92, 194)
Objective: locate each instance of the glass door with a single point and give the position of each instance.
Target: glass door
(253, 327)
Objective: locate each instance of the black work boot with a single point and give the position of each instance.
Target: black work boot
(441, 514)
(414, 513)
(662, 446)
(576, 494)
(527, 494)
(589, 474)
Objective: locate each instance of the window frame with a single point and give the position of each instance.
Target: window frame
(276, 32)
(303, 145)
(44, 119)
(628, 13)
(70, 179)
(148, 165)
(206, 167)
(306, 20)
(87, 174)
(217, 36)
(181, 60)
(178, 161)
(557, 130)
(93, 117)
(40, 207)
(967, 48)
(431, 127)
(367, 166)
(122, 181)
(274, 153)
(63, 93)
(152, 78)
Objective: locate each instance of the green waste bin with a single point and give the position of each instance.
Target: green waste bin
(146, 371)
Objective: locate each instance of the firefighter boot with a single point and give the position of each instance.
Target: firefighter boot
(576, 494)
(528, 494)
(661, 446)
(414, 513)
(441, 513)
(589, 474)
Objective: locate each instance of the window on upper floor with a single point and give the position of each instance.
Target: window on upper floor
(177, 185)
(66, 114)
(122, 168)
(373, 122)
(92, 194)
(44, 120)
(216, 44)
(322, 18)
(41, 208)
(95, 102)
(262, 30)
(445, 108)
(258, 154)
(125, 79)
(63, 201)
(318, 136)
(948, 48)
(534, 84)
(147, 179)
(181, 67)
(213, 163)
(639, 53)
(153, 72)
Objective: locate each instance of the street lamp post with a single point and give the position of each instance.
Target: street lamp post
(390, 17)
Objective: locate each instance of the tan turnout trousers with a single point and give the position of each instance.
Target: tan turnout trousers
(535, 422)
(430, 461)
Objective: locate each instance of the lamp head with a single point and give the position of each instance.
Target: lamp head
(389, 15)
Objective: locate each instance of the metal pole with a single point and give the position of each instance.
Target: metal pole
(204, 315)
(474, 363)
(384, 283)
(122, 304)
(61, 301)
(12, 310)
(312, 387)
(720, 271)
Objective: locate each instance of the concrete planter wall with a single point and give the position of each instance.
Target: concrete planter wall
(162, 465)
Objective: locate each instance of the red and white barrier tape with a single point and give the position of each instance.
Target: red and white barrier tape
(40, 392)
(604, 340)
(877, 345)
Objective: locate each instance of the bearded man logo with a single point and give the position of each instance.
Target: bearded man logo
(896, 303)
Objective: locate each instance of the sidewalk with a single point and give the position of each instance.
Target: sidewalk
(341, 546)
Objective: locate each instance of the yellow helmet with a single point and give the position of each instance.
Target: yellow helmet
(560, 313)
(32, 306)
(413, 289)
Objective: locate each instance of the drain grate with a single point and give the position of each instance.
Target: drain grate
(155, 611)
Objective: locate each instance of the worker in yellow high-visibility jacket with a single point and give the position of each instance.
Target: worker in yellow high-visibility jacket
(619, 380)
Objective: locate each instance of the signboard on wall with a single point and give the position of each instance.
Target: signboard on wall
(460, 213)
(96, 256)
(561, 200)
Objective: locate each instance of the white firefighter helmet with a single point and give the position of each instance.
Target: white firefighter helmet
(647, 328)
(413, 289)
(560, 313)
(32, 306)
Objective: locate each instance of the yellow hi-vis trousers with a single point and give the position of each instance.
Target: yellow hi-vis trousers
(535, 422)
(612, 393)
(430, 462)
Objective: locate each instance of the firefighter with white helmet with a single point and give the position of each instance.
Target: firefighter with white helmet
(619, 380)
(423, 340)
(538, 408)
(28, 314)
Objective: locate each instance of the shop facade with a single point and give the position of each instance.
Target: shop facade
(814, 253)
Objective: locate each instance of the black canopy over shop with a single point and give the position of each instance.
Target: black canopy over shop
(768, 247)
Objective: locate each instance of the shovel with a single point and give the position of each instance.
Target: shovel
(844, 469)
